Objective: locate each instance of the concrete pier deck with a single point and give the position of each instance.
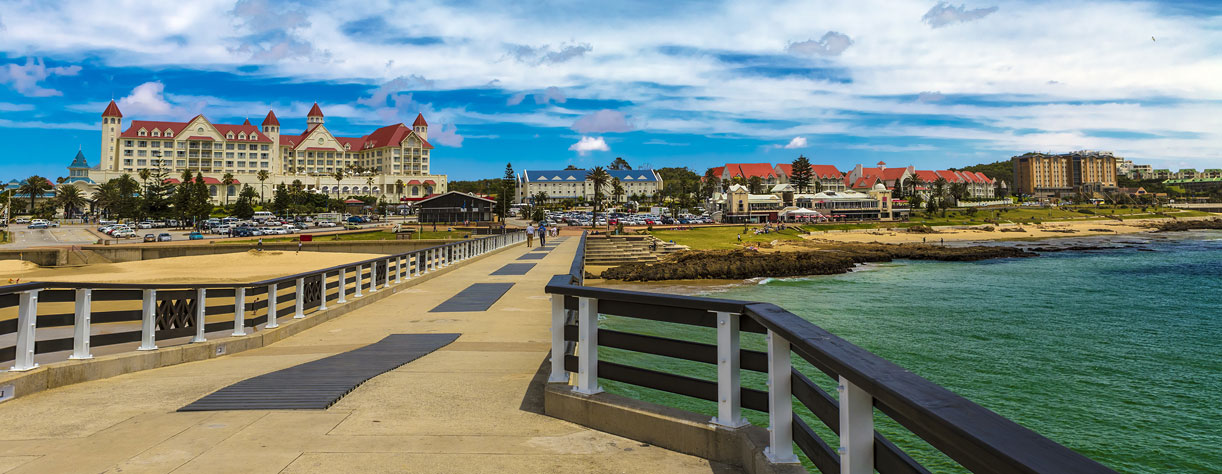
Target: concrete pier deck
(473, 406)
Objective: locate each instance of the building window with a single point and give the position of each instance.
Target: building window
(182, 163)
(127, 162)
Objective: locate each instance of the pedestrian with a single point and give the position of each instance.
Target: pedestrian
(922, 240)
(298, 246)
(542, 234)
(943, 241)
(260, 244)
(530, 234)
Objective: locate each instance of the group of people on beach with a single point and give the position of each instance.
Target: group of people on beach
(542, 231)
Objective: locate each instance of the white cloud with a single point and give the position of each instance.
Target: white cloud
(831, 44)
(602, 121)
(930, 97)
(545, 55)
(546, 96)
(8, 107)
(589, 144)
(797, 142)
(146, 100)
(945, 14)
(25, 79)
(446, 135)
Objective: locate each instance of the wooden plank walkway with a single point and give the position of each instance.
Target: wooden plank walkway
(319, 384)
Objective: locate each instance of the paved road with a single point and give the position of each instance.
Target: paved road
(24, 238)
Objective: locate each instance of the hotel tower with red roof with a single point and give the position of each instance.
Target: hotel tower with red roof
(394, 155)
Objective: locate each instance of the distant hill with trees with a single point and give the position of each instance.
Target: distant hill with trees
(1002, 170)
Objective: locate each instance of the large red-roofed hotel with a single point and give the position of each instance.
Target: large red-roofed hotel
(390, 155)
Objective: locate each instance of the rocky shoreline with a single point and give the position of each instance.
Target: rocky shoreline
(1183, 225)
(828, 260)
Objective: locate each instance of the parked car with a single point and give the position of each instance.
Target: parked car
(22, 220)
(351, 226)
(150, 238)
(195, 236)
(327, 224)
(37, 225)
(165, 237)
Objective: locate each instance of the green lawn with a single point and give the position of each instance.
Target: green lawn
(720, 237)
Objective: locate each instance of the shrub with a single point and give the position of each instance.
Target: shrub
(1086, 211)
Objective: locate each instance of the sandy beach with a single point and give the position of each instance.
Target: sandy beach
(1048, 230)
(224, 268)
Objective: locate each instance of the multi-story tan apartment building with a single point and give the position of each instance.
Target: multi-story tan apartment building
(1043, 175)
(389, 155)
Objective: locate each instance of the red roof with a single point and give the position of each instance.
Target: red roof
(133, 131)
(197, 137)
(949, 175)
(247, 122)
(354, 143)
(171, 181)
(247, 128)
(826, 171)
(414, 182)
(420, 121)
(271, 119)
(391, 135)
(983, 177)
(315, 111)
(112, 110)
(927, 175)
(353, 201)
(749, 170)
(429, 182)
(208, 180)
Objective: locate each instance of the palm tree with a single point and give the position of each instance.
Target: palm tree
(69, 197)
(262, 176)
(541, 198)
(144, 174)
(617, 189)
(228, 181)
(399, 189)
(598, 177)
(369, 183)
(34, 186)
(107, 196)
(339, 176)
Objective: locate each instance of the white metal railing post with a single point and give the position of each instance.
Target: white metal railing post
(856, 429)
(27, 322)
(413, 266)
(80, 328)
(271, 306)
(322, 291)
(558, 316)
(201, 307)
(360, 270)
(239, 312)
(729, 382)
(343, 286)
(373, 277)
(587, 346)
(399, 270)
(387, 274)
(780, 402)
(428, 261)
(148, 322)
(299, 300)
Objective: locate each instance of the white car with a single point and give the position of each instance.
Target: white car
(327, 224)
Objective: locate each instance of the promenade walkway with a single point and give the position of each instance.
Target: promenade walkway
(473, 406)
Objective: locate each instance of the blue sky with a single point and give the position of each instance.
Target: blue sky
(674, 83)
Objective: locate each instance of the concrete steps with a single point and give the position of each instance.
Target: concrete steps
(620, 250)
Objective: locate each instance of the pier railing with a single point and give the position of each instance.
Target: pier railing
(61, 316)
(971, 435)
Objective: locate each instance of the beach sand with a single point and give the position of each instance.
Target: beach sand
(223, 268)
(1031, 231)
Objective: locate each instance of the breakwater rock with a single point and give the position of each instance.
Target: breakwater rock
(743, 264)
(1176, 226)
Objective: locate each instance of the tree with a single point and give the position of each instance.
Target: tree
(244, 209)
(755, 184)
(182, 198)
(128, 189)
(69, 197)
(106, 197)
(399, 190)
(617, 190)
(339, 176)
(262, 176)
(504, 195)
(201, 199)
(34, 187)
(711, 183)
(540, 198)
(228, 181)
(571, 168)
(958, 191)
(800, 176)
(598, 177)
(619, 164)
(914, 184)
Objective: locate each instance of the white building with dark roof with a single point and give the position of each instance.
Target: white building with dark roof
(572, 184)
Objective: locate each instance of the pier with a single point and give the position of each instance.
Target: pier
(488, 400)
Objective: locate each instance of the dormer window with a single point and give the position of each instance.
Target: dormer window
(229, 135)
(254, 136)
(169, 133)
(242, 136)
(156, 133)
(142, 132)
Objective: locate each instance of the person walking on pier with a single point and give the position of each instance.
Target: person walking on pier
(542, 234)
(530, 234)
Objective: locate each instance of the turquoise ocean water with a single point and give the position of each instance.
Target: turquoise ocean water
(1116, 354)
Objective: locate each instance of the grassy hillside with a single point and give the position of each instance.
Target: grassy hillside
(1002, 170)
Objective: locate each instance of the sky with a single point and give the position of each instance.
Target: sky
(674, 83)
